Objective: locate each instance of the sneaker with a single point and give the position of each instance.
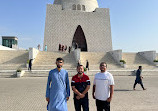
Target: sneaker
(144, 89)
(134, 89)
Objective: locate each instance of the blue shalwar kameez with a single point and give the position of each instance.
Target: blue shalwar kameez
(58, 90)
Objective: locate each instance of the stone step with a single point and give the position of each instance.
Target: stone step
(95, 67)
(52, 62)
(13, 59)
(11, 67)
(49, 58)
(134, 58)
(96, 58)
(7, 73)
(44, 73)
(46, 67)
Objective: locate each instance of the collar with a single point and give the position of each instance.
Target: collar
(104, 72)
(58, 69)
(79, 77)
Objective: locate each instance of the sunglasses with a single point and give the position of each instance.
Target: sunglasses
(102, 66)
(60, 62)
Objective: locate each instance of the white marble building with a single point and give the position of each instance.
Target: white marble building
(78, 21)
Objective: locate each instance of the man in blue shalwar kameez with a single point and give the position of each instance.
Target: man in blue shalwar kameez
(58, 89)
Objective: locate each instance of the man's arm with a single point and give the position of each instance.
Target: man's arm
(141, 77)
(93, 91)
(111, 93)
(48, 88)
(77, 92)
(67, 87)
(86, 90)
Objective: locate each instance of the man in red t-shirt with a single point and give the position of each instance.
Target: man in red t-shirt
(80, 85)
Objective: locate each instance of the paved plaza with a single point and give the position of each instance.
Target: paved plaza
(28, 94)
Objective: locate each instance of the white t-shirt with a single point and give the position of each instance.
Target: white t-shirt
(102, 81)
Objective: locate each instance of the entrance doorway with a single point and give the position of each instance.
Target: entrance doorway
(79, 39)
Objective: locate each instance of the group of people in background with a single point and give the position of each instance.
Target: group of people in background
(87, 64)
(64, 48)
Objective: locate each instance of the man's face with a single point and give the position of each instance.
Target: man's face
(103, 67)
(140, 68)
(59, 63)
(80, 69)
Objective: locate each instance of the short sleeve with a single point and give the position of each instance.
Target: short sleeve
(94, 82)
(111, 80)
(87, 80)
(73, 81)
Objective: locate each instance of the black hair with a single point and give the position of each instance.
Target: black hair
(140, 67)
(103, 63)
(79, 65)
(59, 59)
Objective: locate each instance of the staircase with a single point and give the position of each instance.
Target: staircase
(44, 73)
(47, 60)
(95, 58)
(13, 59)
(10, 61)
(133, 60)
(8, 74)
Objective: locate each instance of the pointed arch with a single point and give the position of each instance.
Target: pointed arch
(80, 39)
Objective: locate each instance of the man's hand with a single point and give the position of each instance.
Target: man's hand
(47, 99)
(77, 97)
(67, 98)
(93, 96)
(81, 95)
(109, 99)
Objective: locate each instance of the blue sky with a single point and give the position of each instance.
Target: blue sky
(134, 23)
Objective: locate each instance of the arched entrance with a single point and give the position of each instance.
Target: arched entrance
(79, 39)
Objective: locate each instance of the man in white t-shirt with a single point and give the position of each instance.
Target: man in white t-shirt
(103, 88)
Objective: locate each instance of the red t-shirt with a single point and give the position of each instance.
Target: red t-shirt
(80, 83)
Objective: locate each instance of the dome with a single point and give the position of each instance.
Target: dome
(80, 5)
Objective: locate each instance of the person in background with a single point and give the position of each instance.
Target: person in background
(45, 48)
(87, 64)
(139, 78)
(30, 64)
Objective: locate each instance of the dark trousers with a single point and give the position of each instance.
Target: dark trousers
(81, 102)
(139, 82)
(30, 67)
(102, 105)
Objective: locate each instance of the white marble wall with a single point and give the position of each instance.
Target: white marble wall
(60, 27)
(148, 55)
(90, 5)
(117, 55)
(33, 53)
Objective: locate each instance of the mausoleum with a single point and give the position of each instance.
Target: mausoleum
(78, 21)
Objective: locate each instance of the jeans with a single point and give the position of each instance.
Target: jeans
(84, 102)
(102, 105)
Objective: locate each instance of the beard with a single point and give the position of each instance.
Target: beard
(102, 70)
(80, 72)
(59, 66)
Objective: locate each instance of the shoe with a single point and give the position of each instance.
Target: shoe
(134, 89)
(144, 89)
